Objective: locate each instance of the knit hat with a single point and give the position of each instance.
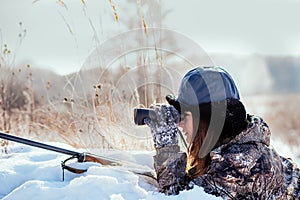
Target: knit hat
(203, 85)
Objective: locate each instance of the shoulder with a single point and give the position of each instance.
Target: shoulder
(244, 164)
(257, 131)
(243, 152)
(235, 160)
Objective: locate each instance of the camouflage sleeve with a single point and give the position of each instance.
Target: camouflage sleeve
(170, 164)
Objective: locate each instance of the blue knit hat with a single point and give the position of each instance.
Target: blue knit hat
(203, 85)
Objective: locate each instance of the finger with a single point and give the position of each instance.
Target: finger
(165, 112)
(175, 114)
(169, 110)
(160, 115)
(148, 121)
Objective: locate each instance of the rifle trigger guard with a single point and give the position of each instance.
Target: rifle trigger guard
(69, 168)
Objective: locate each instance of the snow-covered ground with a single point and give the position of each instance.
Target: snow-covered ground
(32, 173)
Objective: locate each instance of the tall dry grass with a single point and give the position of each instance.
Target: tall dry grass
(282, 114)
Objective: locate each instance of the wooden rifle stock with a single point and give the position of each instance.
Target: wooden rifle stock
(99, 159)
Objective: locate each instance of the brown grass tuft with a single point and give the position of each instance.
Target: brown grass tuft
(114, 10)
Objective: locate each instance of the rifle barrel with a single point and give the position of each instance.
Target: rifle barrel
(37, 144)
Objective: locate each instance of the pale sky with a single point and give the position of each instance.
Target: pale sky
(231, 26)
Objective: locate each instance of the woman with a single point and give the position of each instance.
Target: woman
(228, 152)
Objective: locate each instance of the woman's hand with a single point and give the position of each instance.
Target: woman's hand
(165, 128)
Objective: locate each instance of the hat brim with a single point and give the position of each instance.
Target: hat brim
(172, 100)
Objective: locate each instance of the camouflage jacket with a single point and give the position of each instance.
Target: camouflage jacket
(247, 167)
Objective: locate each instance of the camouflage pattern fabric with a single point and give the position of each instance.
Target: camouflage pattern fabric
(169, 162)
(247, 167)
(164, 129)
(170, 166)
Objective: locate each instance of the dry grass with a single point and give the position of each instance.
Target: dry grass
(282, 114)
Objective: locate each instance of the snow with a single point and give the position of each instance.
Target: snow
(32, 173)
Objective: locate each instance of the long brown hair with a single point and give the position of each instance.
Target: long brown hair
(233, 116)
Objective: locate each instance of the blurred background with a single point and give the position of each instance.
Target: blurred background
(72, 71)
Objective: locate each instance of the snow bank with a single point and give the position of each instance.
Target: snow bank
(32, 173)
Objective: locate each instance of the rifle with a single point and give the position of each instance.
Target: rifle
(81, 157)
